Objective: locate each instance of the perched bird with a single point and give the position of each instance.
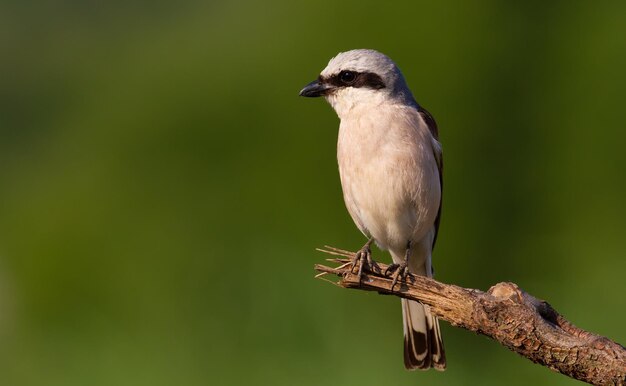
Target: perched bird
(390, 164)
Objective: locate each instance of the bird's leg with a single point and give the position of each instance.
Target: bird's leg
(401, 269)
(363, 258)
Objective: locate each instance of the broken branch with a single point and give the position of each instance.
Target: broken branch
(505, 313)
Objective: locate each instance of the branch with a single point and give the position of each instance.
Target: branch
(505, 313)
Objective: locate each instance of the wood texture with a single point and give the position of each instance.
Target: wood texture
(505, 313)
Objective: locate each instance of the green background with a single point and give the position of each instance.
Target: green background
(163, 188)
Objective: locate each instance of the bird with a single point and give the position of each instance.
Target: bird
(390, 166)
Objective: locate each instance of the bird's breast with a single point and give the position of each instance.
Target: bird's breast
(390, 182)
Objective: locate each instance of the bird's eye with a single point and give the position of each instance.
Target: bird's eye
(347, 77)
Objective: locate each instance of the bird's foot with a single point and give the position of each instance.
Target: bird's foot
(398, 270)
(363, 258)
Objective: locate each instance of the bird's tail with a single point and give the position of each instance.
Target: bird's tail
(423, 346)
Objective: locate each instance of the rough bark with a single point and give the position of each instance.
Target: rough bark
(505, 313)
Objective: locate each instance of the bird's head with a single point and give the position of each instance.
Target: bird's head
(359, 78)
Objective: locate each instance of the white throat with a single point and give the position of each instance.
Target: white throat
(345, 100)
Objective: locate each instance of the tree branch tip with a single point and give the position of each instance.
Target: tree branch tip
(338, 284)
(335, 251)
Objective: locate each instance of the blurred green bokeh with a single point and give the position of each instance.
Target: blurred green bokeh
(162, 187)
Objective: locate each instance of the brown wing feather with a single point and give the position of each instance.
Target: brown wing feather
(432, 126)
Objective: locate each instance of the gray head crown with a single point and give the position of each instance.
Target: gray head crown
(362, 68)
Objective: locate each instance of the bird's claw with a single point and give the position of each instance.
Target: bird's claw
(363, 258)
(399, 270)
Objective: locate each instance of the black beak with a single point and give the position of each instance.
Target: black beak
(315, 89)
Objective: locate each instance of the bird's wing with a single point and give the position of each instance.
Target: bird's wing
(434, 131)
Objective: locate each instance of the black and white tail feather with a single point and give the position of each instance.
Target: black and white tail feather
(423, 346)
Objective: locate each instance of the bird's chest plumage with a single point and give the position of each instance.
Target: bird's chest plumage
(389, 176)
